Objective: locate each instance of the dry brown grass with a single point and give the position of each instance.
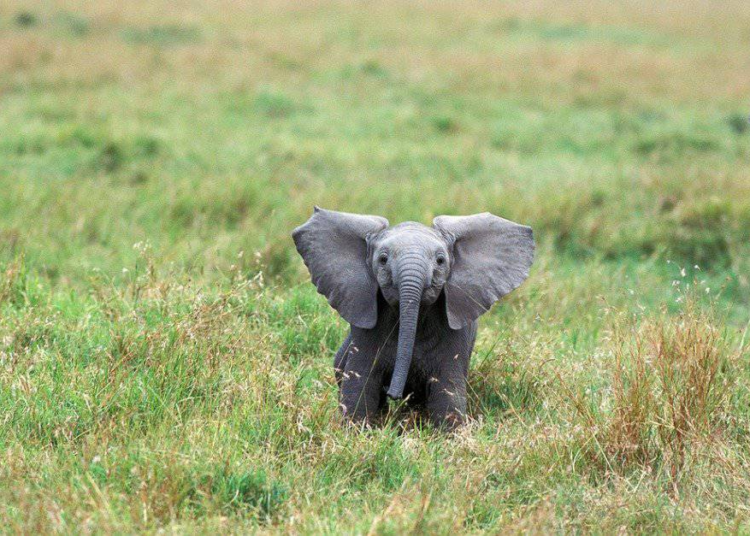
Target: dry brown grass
(671, 383)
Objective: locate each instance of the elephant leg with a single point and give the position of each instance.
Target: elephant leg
(361, 389)
(339, 361)
(446, 401)
(446, 387)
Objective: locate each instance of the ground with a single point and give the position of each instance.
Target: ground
(165, 363)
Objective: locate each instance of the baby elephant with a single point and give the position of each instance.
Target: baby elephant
(429, 283)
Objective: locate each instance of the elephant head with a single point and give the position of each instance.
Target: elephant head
(474, 260)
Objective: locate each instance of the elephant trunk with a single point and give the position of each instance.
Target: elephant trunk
(412, 278)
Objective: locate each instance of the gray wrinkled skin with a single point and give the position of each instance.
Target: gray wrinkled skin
(437, 376)
(412, 295)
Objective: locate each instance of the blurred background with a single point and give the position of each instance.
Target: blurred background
(617, 130)
(165, 362)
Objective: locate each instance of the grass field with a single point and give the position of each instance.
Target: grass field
(165, 363)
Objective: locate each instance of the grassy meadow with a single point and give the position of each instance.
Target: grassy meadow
(166, 365)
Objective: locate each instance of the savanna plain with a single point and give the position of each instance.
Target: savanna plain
(166, 365)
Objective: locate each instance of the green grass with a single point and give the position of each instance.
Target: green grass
(166, 364)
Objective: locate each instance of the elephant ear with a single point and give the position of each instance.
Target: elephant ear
(334, 248)
(491, 258)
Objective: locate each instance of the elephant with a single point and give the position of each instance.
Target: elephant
(430, 284)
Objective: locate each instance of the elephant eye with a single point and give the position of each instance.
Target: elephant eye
(383, 259)
(440, 260)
